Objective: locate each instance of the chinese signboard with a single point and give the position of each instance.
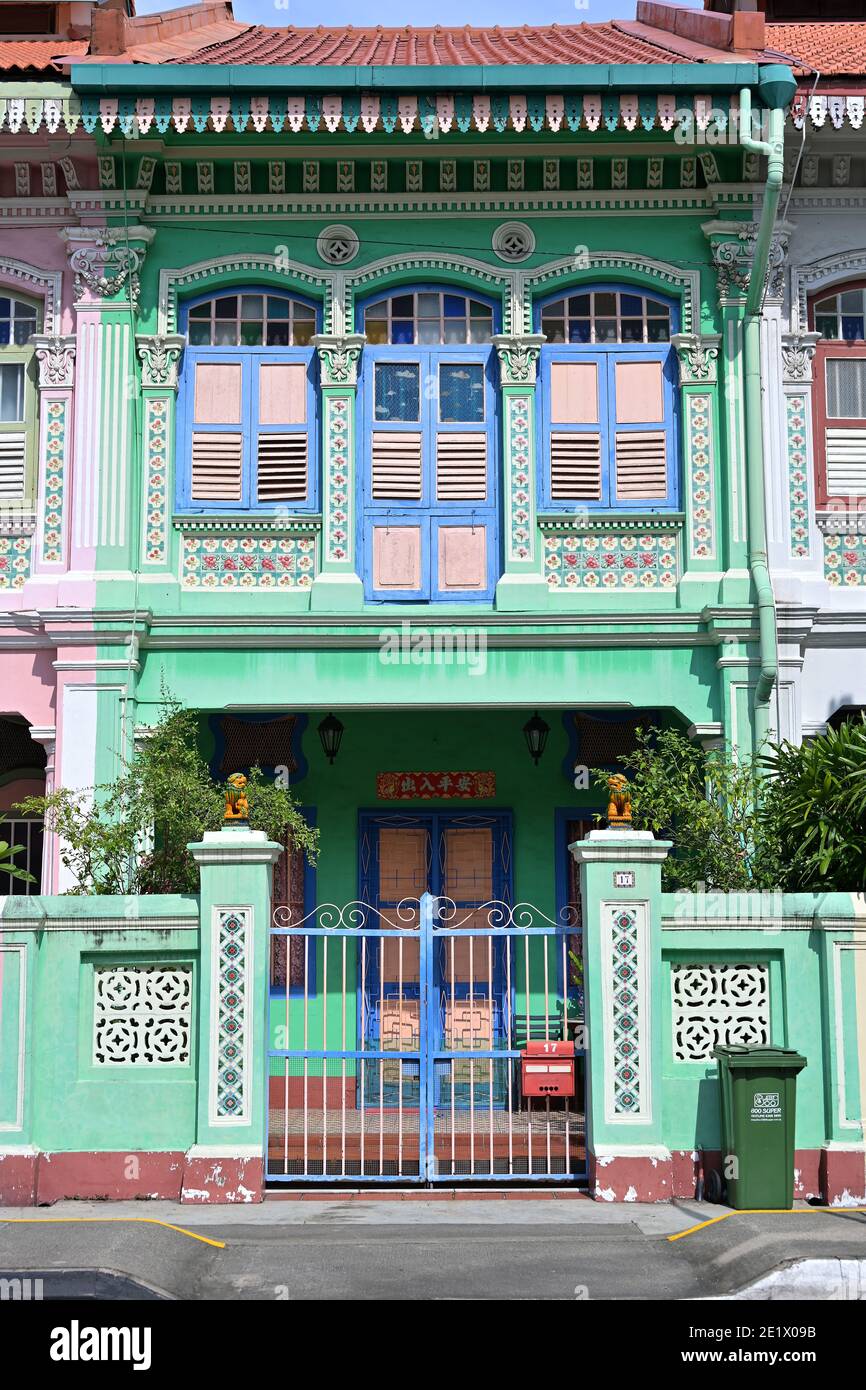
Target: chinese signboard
(411, 786)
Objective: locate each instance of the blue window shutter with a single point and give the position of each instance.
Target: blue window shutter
(641, 429)
(215, 427)
(574, 421)
(282, 409)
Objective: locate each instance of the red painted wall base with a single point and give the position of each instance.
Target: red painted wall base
(40, 1179)
(630, 1178)
(843, 1177)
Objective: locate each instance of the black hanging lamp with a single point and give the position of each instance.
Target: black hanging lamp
(330, 734)
(535, 732)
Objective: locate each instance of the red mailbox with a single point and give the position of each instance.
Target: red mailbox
(547, 1068)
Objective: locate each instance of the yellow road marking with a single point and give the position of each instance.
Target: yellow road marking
(764, 1211)
(147, 1220)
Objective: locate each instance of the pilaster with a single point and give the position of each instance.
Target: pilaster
(159, 357)
(698, 361)
(522, 586)
(55, 357)
(337, 587)
(106, 263)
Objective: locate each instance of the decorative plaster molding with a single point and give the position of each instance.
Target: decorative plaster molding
(42, 284)
(733, 251)
(798, 349)
(56, 358)
(159, 355)
(698, 357)
(686, 284)
(338, 358)
(816, 275)
(518, 358)
(172, 282)
(338, 244)
(105, 259)
(513, 242)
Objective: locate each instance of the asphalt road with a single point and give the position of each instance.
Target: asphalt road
(349, 1249)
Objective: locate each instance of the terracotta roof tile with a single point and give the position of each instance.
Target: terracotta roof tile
(551, 43)
(38, 55)
(836, 50)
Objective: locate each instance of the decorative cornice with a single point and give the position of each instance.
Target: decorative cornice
(339, 357)
(518, 357)
(698, 357)
(798, 349)
(56, 358)
(159, 355)
(267, 525)
(105, 259)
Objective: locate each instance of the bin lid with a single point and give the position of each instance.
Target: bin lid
(736, 1055)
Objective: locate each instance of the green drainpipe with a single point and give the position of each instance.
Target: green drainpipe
(777, 88)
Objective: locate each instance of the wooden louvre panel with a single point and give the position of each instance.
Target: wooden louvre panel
(217, 461)
(282, 467)
(397, 465)
(575, 467)
(641, 465)
(461, 467)
(12, 453)
(846, 461)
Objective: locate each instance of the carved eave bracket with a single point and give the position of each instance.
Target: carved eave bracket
(518, 357)
(698, 357)
(160, 357)
(339, 357)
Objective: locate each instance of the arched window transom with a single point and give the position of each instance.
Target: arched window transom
(842, 316)
(428, 317)
(251, 320)
(606, 316)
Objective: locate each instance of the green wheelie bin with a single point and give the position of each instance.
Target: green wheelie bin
(757, 1090)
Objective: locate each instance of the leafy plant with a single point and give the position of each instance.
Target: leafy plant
(7, 861)
(706, 803)
(131, 835)
(814, 807)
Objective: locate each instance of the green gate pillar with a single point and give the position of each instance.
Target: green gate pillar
(620, 873)
(227, 1162)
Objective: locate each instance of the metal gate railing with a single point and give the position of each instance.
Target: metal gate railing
(395, 1043)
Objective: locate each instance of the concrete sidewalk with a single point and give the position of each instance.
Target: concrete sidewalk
(478, 1247)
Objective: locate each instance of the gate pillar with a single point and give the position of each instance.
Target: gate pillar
(226, 1164)
(620, 874)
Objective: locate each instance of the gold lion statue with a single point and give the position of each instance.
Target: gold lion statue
(237, 806)
(619, 805)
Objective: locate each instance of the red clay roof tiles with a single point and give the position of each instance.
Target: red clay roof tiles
(37, 55)
(834, 49)
(553, 43)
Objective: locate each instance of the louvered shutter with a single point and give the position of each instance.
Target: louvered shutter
(461, 467)
(282, 436)
(842, 422)
(217, 433)
(577, 392)
(641, 403)
(13, 448)
(397, 465)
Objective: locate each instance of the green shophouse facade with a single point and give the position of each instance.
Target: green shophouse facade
(419, 396)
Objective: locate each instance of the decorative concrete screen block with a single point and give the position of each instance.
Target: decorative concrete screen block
(141, 1015)
(715, 1005)
(462, 557)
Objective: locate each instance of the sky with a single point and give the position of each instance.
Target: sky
(309, 13)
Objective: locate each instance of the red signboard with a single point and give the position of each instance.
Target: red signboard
(425, 786)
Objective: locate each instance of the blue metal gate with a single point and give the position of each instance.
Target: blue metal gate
(395, 1044)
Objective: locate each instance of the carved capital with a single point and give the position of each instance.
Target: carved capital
(798, 349)
(105, 260)
(56, 358)
(339, 357)
(159, 358)
(698, 357)
(733, 251)
(518, 357)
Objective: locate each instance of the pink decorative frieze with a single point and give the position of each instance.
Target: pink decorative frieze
(615, 560)
(248, 561)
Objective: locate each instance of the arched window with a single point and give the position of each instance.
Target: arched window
(608, 400)
(428, 475)
(247, 404)
(19, 318)
(840, 395)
